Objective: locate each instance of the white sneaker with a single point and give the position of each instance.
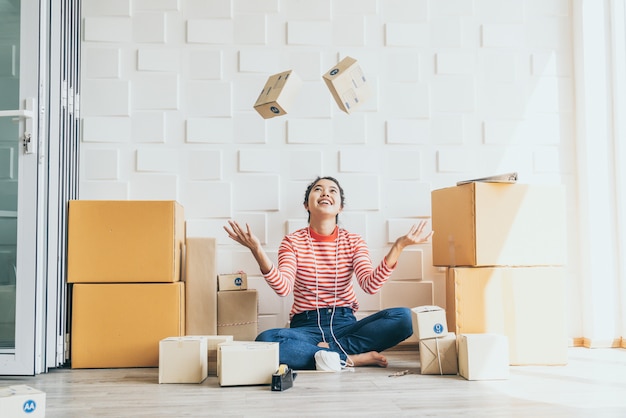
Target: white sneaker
(327, 361)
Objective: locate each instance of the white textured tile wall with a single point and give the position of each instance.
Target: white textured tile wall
(461, 89)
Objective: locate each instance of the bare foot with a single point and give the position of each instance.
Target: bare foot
(323, 344)
(373, 358)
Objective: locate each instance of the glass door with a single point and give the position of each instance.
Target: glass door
(19, 181)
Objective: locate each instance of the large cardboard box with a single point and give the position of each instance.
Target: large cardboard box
(347, 84)
(483, 356)
(22, 401)
(121, 324)
(429, 322)
(438, 355)
(183, 359)
(527, 304)
(278, 95)
(124, 241)
(237, 314)
(200, 286)
(246, 363)
(499, 224)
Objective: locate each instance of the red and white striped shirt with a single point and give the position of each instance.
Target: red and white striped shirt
(319, 270)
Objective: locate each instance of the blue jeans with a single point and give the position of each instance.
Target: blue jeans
(377, 332)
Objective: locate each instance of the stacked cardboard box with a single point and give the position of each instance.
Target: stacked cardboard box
(124, 264)
(437, 346)
(504, 249)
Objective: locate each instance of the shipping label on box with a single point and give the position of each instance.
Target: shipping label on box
(183, 359)
(429, 322)
(124, 241)
(246, 363)
(347, 84)
(235, 281)
(483, 356)
(438, 355)
(278, 95)
(491, 224)
(22, 401)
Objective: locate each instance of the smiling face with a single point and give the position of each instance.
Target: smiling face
(324, 197)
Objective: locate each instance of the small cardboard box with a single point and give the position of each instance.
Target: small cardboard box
(22, 401)
(121, 324)
(124, 241)
(499, 224)
(527, 304)
(246, 363)
(438, 355)
(278, 95)
(237, 314)
(429, 322)
(483, 356)
(347, 84)
(183, 359)
(200, 286)
(235, 281)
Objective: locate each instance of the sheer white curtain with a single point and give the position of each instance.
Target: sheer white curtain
(600, 68)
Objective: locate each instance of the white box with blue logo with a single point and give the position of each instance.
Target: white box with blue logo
(22, 401)
(278, 95)
(347, 84)
(234, 281)
(429, 322)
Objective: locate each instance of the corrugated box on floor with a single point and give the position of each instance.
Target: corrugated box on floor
(483, 356)
(246, 363)
(234, 281)
(121, 324)
(124, 241)
(527, 304)
(438, 355)
(278, 95)
(429, 322)
(200, 286)
(214, 342)
(237, 314)
(183, 359)
(22, 401)
(347, 84)
(499, 224)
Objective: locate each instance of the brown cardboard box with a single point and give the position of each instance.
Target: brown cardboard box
(237, 314)
(498, 224)
(124, 241)
(200, 287)
(438, 355)
(278, 94)
(483, 356)
(183, 359)
(429, 322)
(527, 304)
(234, 281)
(121, 324)
(246, 362)
(347, 84)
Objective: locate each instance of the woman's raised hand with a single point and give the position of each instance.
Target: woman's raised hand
(243, 237)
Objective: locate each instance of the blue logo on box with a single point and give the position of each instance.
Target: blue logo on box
(438, 328)
(238, 281)
(334, 71)
(274, 109)
(29, 406)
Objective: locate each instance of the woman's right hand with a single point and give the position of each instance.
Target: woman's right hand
(243, 237)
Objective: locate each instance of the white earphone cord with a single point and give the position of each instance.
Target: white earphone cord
(332, 315)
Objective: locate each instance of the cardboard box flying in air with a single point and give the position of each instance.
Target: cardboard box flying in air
(278, 95)
(348, 85)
